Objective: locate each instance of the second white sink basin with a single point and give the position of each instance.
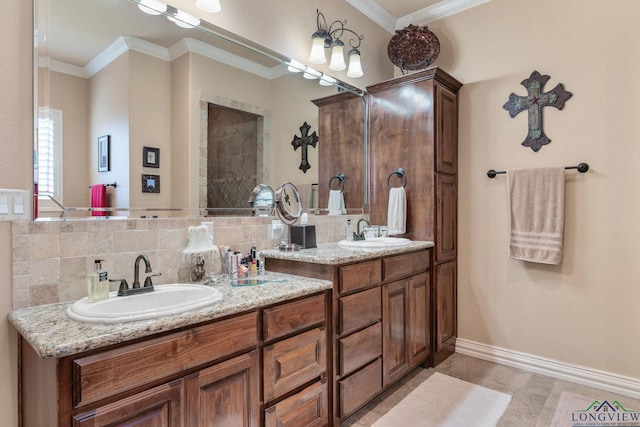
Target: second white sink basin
(164, 300)
(375, 242)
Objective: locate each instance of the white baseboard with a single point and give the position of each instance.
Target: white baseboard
(626, 386)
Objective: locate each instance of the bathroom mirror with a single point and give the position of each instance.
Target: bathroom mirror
(262, 200)
(167, 78)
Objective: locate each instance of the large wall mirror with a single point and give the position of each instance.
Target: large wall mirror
(166, 117)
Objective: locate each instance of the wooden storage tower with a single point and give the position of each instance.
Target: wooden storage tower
(413, 125)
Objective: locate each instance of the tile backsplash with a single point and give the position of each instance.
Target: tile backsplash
(51, 259)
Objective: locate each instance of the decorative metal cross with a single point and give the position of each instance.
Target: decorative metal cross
(535, 100)
(304, 142)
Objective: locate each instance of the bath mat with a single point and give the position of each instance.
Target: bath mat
(574, 410)
(442, 401)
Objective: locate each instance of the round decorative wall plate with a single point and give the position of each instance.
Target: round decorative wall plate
(413, 48)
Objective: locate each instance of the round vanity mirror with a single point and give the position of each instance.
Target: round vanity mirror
(262, 199)
(289, 208)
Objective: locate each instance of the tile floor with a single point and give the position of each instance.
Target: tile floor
(533, 397)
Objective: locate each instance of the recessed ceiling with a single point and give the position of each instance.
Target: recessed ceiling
(397, 14)
(400, 8)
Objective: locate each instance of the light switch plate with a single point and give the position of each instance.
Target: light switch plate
(15, 205)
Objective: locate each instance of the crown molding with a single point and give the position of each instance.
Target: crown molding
(440, 10)
(437, 11)
(126, 43)
(376, 13)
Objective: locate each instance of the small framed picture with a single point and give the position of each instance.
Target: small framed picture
(150, 183)
(104, 163)
(150, 157)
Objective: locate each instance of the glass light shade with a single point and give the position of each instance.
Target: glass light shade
(355, 67)
(327, 80)
(184, 20)
(310, 73)
(152, 7)
(317, 51)
(211, 6)
(337, 56)
(295, 66)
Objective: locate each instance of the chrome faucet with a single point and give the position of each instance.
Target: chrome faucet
(359, 234)
(136, 269)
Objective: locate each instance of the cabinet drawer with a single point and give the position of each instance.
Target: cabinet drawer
(307, 408)
(360, 388)
(397, 267)
(111, 372)
(293, 316)
(360, 348)
(359, 310)
(358, 276)
(292, 362)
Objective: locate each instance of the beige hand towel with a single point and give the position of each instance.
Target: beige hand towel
(397, 211)
(536, 199)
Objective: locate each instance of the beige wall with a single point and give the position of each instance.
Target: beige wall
(110, 115)
(149, 126)
(585, 311)
(16, 145)
(71, 95)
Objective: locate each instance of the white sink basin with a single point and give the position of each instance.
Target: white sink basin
(375, 242)
(164, 300)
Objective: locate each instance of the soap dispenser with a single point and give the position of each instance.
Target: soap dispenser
(97, 283)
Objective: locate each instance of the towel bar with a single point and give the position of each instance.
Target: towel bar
(400, 173)
(582, 168)
(114, 185)
(339, 177)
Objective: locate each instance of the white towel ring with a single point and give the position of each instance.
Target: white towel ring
(399, 172)
(339, 177)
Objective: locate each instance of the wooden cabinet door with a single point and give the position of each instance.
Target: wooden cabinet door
(226, 394)
(446, 307)
(446, 217)
(341, 147)
(419, 345)
(446, 118)
(158, 407)
(395, 318)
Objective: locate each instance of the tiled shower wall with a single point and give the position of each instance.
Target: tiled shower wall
(51, 259)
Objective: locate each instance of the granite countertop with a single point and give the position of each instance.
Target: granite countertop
(334, 254)
(52, 334)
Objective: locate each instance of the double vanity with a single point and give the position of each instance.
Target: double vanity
(331, 329)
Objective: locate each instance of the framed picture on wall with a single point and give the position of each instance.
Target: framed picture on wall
(150, 157)
(150, 183)
(104, 162)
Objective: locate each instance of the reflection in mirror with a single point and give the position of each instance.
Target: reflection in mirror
(105, 68)
(262, 199)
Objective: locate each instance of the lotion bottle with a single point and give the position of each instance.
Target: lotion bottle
(97, 283)
(348, 231)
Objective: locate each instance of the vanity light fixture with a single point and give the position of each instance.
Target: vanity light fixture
(152, 7)
(183, 19)
(329, 37)
(310, 73)
(327, 80)
(294, 66)
(211, 6)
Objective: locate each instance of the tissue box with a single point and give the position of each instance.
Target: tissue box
(304, 235)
